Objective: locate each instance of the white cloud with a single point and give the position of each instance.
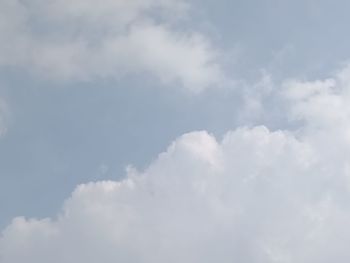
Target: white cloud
(86, 39)
(254, 196)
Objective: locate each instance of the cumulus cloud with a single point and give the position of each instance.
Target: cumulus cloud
(254, 196)
(85, 40)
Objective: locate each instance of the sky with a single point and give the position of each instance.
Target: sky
(174, 131)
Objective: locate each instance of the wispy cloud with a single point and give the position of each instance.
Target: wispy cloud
(4, 117)
(84, 40)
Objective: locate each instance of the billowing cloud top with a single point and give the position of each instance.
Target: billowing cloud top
(82, 40)
(254, 196)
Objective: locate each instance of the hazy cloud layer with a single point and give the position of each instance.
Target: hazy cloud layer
(4, 117)
(83, 40)
(254, 196)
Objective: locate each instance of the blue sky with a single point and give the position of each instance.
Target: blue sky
(139, 121)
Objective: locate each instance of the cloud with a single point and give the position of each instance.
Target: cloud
(84, 40)
(4, 117)
(254, 196)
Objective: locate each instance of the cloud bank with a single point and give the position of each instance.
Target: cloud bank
(86, 40)
(254, 196)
